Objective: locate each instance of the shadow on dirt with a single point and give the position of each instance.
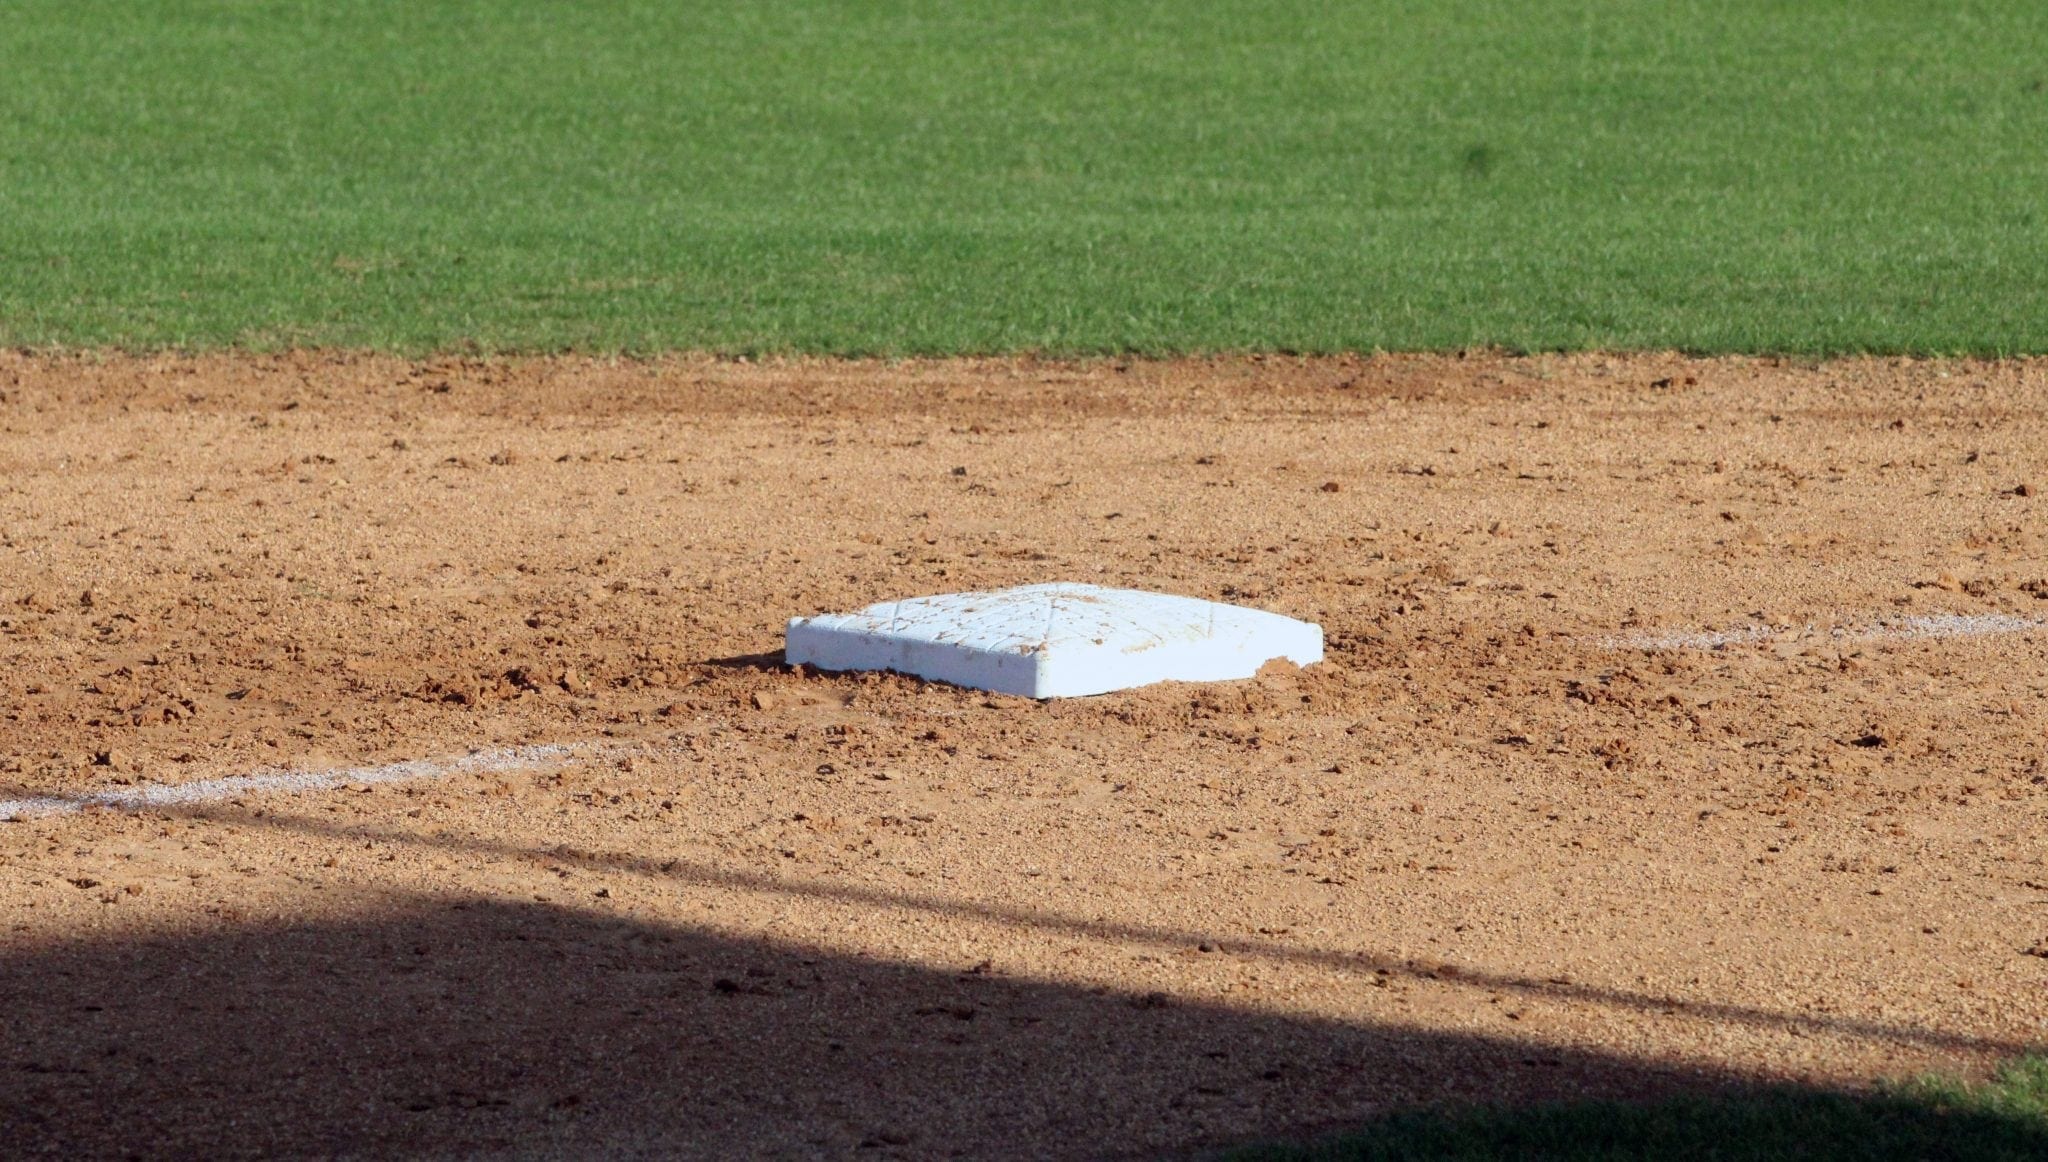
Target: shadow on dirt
(772, 662)
(1164, 939)
(485, 1027)
(465, 1027)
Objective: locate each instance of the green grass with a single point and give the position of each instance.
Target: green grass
(2006, 1118)
(938, 176)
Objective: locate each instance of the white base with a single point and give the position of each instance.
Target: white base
(1054, 641)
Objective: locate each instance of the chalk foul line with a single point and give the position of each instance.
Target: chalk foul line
(290, 782)
(286, 781)
(1902, 628)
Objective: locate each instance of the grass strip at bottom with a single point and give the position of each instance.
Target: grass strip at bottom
(2005, 1117)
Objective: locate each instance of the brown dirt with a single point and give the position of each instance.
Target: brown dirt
(1481, 852)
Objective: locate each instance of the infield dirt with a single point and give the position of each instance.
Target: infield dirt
(1499, 845)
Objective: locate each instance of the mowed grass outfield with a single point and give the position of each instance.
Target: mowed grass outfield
(972, 176)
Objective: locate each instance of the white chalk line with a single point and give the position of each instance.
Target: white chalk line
(1933, 626)
(290, 782)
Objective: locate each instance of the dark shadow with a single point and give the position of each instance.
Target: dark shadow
(773, 661)
(459, 1027)
(1168, 939)
(463, 1027)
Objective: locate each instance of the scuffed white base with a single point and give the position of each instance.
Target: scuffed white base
(1059, 640)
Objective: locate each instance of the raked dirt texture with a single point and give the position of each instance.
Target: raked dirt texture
(410, 765)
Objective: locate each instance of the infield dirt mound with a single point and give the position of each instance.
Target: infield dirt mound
(1497, 845)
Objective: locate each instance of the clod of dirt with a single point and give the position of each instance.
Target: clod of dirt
(455, 691)
(1332, 486)
(114, 758)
